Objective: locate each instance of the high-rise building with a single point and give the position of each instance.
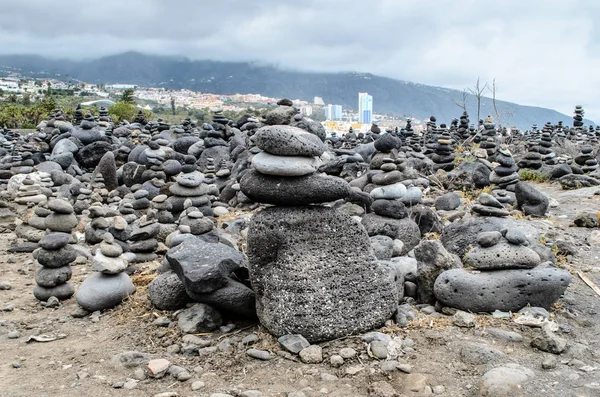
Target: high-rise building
(318, 101)
(365, 108)
(306, 110)
(333, 112)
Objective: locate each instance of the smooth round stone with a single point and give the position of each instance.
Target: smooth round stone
(220, 211)
(387, 178)
(284, 140)
(515, 236)
(119, 223)
(390, 208)
(101, 291)
(270, 164)
(144, 245)
(108, 265)
(55, 241)
(389, 192)
(60, 206)
(488, 239)
(387, 167)
(49, 278)
(487, 210)
(62, 292)
(489, 200)
(293, 191)
(182, 191)
(58, 258)
(189, 180)
(413, 196)
(195, 215)
(111, 250)
(61, 222)
(444, 141)
(503, 290)
(140, 194)
(161, 198)
(224, 173)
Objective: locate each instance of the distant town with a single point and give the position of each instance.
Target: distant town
(334, 117)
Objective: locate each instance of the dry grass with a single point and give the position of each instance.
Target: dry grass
(432, 236)
(532, 176)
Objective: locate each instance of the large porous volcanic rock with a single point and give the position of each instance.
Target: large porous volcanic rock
(167, 292)
(314, 273)
(530, 200)
(575, 181)
(460, 235)
(90, 155)
(302, 190)
(398, 229)
(432, 259)
(206, 268)
(504, 290)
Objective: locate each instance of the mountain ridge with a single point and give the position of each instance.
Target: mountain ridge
(392, 96)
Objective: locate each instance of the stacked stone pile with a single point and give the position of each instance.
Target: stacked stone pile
(508, 276)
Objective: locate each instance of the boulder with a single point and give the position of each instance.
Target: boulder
(312, 279)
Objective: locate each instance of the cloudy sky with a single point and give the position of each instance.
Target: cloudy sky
(541, 52)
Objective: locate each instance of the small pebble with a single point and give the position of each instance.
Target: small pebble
(197, 385)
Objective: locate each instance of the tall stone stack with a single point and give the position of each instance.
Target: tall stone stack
(55, 255)
(578, 117)
(444, 156)
(505, 176)
(463, 127)
(188, 185)
(307, 261)
(548, 155)
(488, 139)
(78, 115)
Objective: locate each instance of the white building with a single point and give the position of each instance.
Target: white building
(319, 101)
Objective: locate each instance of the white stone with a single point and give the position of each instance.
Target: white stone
(270, 164)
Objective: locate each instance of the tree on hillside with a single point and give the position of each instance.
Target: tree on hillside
(173, 105)
(505, 114)
(463, 101)
(127, 96)
(123, 111)
(477, 91)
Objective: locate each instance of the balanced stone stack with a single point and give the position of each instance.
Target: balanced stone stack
(586, 159)
(306, 262)
(143, 240)
(78, 115)
(444, 156)
(463, 128)
(506, 175)
(188, 186)
(108, 285)
(30, 192)
(103, 114)
(548, 155)
(488, 139)
(488, 205)
(55, 257)
(507, 277)
(98, 226)
(62, 218)
(578, 117)
(532, 159)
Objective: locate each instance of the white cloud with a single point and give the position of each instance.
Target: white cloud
(542, 52)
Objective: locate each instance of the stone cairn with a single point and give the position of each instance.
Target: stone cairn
(78, 115)
(108, 285)
(443, 156)
(463, 128)
(578, 118)
(506, 175)
(586, 159)
(548, 155)
(488, 205)
(54, 255)
(488, 138)
(297, 271)
(507, 276)
(30, 192)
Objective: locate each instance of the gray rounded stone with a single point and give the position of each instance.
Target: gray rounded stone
(49, 278)
(504, 290)
(101, 291)
(62, 292)
(55, 241)
(270, 164)
(167, 292)
(285, 140)
(489, 239)
(502, 256)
